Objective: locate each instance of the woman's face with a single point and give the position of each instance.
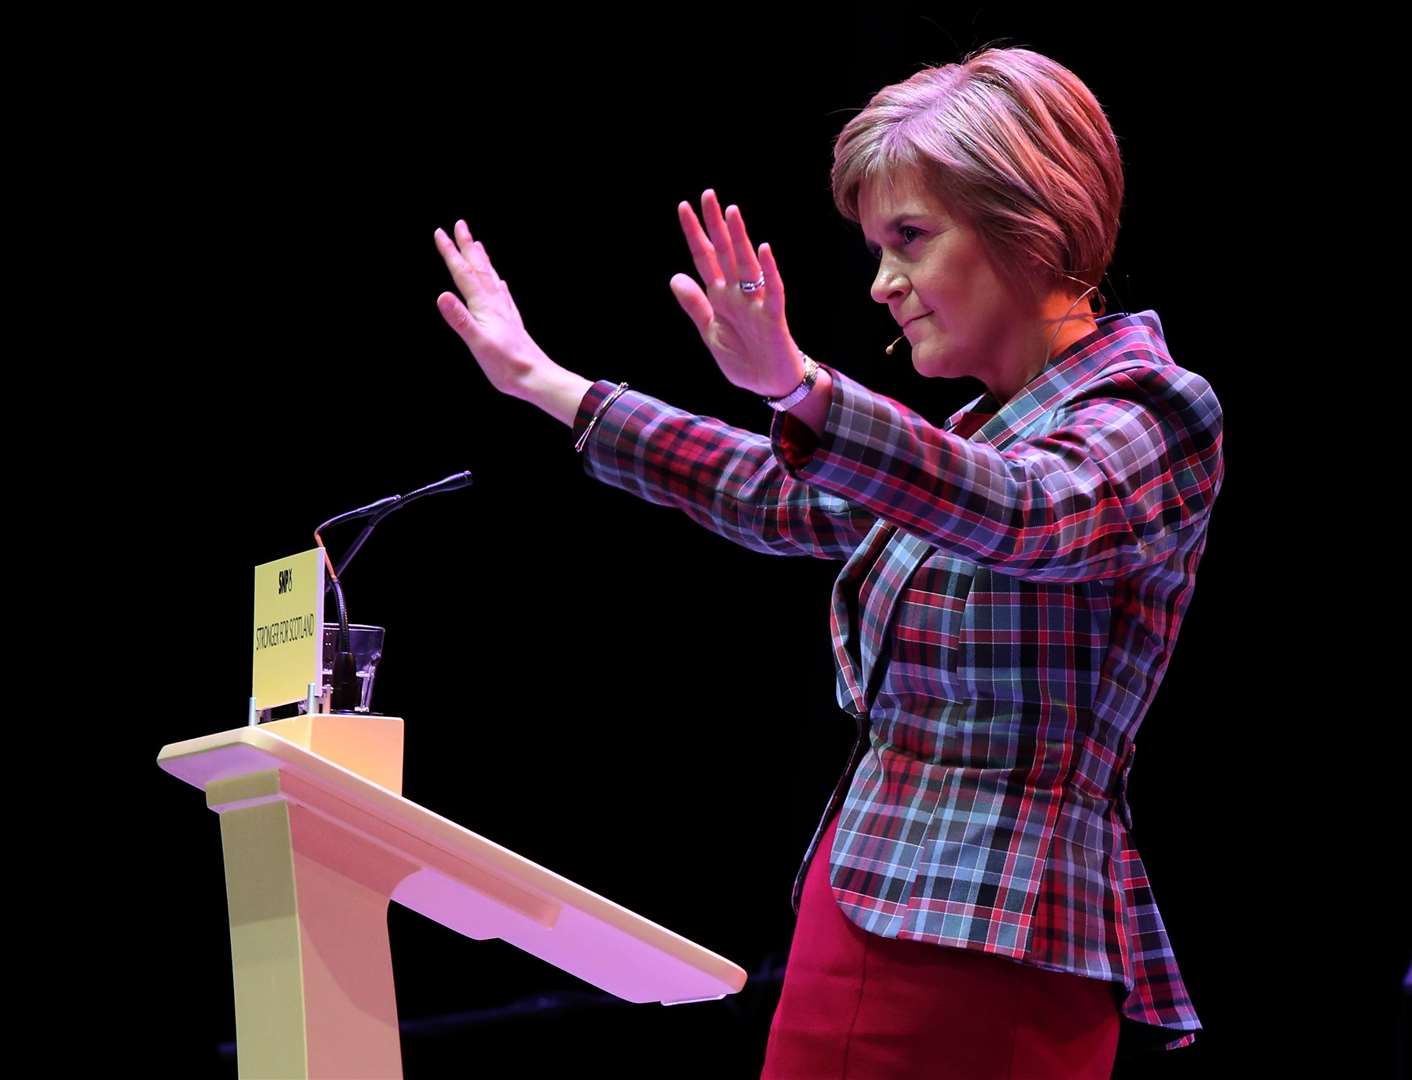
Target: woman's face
(937, 279)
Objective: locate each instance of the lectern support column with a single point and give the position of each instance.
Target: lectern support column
(308, 899)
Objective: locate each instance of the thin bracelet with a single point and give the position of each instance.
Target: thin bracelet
(583, 439)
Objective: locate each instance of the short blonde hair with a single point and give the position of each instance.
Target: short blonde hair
(1013, 142)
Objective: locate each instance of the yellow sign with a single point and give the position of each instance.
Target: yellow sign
(289, 628)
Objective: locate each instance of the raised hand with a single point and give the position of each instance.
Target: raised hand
(485, 315)
(743, 327)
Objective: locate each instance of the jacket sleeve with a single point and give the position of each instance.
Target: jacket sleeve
(723, 478)
(1113, 484)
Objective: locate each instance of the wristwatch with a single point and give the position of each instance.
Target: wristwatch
(800, 392)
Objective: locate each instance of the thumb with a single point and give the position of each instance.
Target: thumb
(456, 316)
(693, 301)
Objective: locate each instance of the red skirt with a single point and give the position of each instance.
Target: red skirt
(857, 1006)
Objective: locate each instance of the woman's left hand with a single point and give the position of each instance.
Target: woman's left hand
(745, 331)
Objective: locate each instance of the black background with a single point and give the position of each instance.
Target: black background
(595, 682)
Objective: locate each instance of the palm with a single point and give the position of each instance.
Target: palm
(485, 315)
(746, 332)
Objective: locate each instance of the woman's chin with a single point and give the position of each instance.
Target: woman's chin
(934, 362)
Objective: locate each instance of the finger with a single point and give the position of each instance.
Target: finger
(465, 243)
(745, 260)
(720, 236)
(462, 273)
(774, 283)
(703, 255)
(693, 301)
(474, 252)
(457, 317)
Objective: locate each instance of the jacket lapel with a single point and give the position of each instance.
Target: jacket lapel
(884, 580)
(845, 618)
(1072, 368)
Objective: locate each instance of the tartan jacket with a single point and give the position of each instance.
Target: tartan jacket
(1007, 607)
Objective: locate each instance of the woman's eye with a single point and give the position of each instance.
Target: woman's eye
(908, 233)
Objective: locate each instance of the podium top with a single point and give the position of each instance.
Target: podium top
(455, 876)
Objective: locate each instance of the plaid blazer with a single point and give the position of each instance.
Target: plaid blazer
(1007, 607)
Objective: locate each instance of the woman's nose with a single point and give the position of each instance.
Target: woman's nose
(888, 284)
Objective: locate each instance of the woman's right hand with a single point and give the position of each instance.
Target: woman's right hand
(488, 321)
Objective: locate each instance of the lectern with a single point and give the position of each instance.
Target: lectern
(317, 839)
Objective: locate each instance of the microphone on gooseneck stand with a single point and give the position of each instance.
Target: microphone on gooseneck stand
(345, 666)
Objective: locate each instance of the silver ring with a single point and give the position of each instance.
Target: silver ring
(753, 286)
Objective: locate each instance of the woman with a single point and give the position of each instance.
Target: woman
(1013, 580)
